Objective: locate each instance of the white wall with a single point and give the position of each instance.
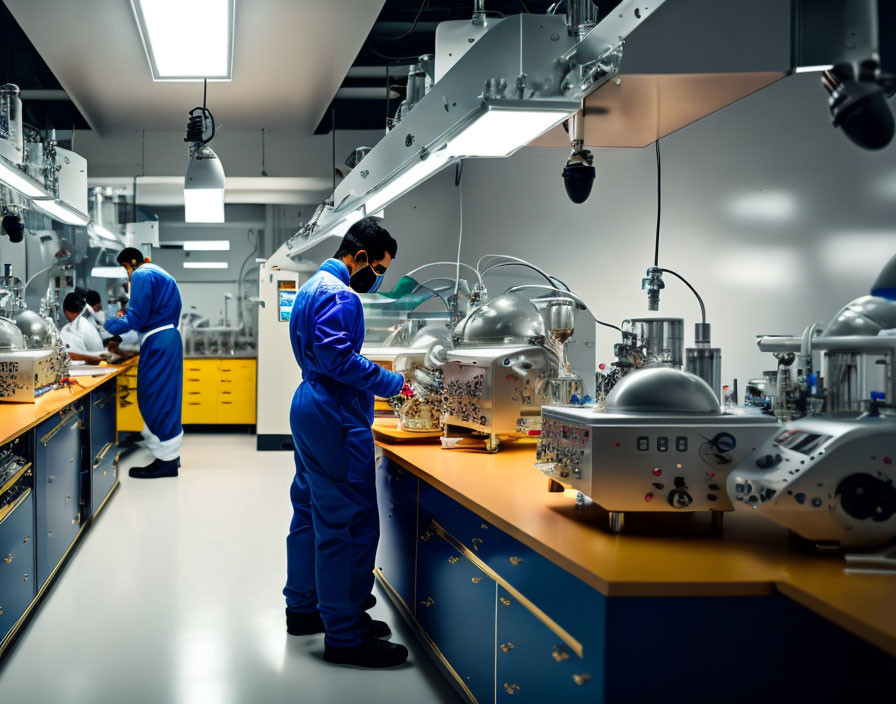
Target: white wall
(774, 216)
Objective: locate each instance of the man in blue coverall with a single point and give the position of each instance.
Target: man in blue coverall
(154, 313)
(335, 527)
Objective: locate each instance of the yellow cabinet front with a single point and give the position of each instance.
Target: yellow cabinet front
(216, 392)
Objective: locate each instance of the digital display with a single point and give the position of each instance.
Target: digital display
(800, 441)
(287, 298)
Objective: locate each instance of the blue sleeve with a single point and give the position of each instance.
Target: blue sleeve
(334, 318)
(138, 308)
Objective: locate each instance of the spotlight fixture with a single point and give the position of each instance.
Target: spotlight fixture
(579, 173)
(204, 182)
(13, 226)
(858, 103)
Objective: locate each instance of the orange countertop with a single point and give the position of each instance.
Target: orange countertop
(659, 554)
(17, 418)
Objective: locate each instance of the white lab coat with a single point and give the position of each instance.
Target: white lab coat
(82, 337)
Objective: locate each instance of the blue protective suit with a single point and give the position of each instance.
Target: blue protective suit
(335, 527)
(155, 303)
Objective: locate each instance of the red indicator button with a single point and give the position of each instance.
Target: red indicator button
(710, 474)
(888, 460)
(648, 496)
(617, 444)
(602, 366)
(534, 432)
(657, 472)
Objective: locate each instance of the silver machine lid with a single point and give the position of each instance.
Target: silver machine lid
(11, 338)
(867, 315)
(662, 390)
(509, 319)
(35, 330)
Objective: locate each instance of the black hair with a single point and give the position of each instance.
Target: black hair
(369, 235)
(93, 297)
(130, 255)
(73, 303)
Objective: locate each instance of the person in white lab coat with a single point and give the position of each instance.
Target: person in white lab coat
(80, 335)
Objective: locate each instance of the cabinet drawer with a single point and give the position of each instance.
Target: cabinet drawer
(203, 395)
(237, 368)
(396, 490)
(234, 412)
(455, 605)
(17, 582)
(198, 412)
(534, 665)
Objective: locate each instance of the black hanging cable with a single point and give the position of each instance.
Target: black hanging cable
(458, 171)
(204, 92)
(263, 170)
(659, 204)
(388, 97)
(693, 290)
(524, 6)
(410, 30)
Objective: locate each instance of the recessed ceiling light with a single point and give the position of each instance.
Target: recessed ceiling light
(205, 265)
(181, 48)
(207, 246)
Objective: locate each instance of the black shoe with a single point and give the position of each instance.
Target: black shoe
(156, 470)
(308, 624)
(372, 653)
(303, 624)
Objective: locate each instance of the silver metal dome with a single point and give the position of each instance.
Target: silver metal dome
(11, 338)
(866, 315)
(35, 330)
(662, 390)
(509, 319)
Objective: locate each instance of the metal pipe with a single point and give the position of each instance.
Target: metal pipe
(773, 343)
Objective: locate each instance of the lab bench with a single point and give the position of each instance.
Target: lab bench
(217, 391)
(67, 440)
(522, 597)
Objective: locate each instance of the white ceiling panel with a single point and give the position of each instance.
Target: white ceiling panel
(290, 57)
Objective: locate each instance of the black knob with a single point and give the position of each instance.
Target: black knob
(765, 462)
(679, 498)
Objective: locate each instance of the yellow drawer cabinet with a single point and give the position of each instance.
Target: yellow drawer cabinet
(216, 392)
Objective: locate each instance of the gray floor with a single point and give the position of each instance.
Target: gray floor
(174, 596)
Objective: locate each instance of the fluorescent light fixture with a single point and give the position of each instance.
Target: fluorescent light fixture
(814, 69)
(19, 181)
(207, 246)
(205, 265)
(187, 41)
(400, 185)
(499, 133)
(108, 272)
(204, 188)
(61, 211)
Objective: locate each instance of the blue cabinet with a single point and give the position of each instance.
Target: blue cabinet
(17, 582)
(102, 472)
(396, 555)
(456, 608)
(57, 487)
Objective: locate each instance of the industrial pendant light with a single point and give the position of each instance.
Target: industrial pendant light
(204, 182)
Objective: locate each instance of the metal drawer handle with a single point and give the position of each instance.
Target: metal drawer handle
(581, 679)
(66, 420)
(102, 454)
(504, 600)
(454, 559)
(476, 580)
(428, 601)
(476, 543)
(516, 561)
(506, 647)
(8, 559)
(511, 688)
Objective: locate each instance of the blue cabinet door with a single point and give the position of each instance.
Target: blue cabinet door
(535, 664)
(57, 485)
(103, 472)
(397, 551)
(17, 582)
(456, 607)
